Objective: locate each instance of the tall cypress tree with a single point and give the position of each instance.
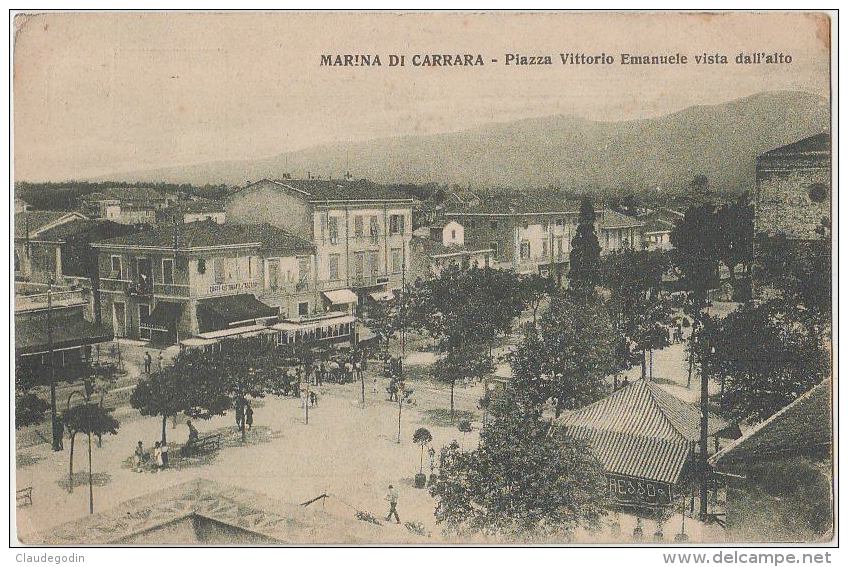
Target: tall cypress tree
(585, 251)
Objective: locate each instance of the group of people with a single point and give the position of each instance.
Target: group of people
(340, 369)
(148, 362)
(156, 459)
(244, 414)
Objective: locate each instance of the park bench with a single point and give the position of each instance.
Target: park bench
(24, 496)
(204, 444)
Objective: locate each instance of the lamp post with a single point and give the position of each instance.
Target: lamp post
(54, 418)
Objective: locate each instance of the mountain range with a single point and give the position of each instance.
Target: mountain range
(719, 141)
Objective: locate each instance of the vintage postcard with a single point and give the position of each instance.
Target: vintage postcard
(423, 278)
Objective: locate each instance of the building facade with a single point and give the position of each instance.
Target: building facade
(126, 205)
(793, 189)
(361, 231)
(171, 283)
(436, 247)
(533, 237)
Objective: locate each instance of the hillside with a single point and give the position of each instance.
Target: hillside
(720, 141)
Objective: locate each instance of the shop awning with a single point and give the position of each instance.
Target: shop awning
(341, 296)
(382, 295)
(223, 312)
(164, 317)
(31, 336)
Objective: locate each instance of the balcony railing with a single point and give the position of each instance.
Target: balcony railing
(67, 298)
(174, 290)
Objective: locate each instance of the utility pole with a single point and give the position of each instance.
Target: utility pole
(54, 418)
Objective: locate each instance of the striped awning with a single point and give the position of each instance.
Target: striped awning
(636, 456)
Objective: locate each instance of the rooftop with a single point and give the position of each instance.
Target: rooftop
(319, 190)
(817, 144)
(206, 234)
(432, 248)
(34, 223)
(802, 427)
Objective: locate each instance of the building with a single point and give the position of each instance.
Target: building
(793, 189)
(361, 231)
(192, 211)
(38, 259)
(795, 443)
(435, 247)
(647, 441)
(126, 205)
(534, 235)
(205, 279)
(658, 226)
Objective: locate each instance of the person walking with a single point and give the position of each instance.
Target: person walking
(161, 358)
(392, 498)
(239, 414)
(148, 362)
(248, 416)
(313, 399)
(193, 436)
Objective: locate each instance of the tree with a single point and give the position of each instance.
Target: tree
(528, 480)
(466, 360)
(224, 379)
(29, 408)
(736, 235)
(762, 357)
(421, 437)
(164, 393)
(585, 251)
(696, 242)
(534, 289)
(91, 419)
(570, 355)
(383, 318)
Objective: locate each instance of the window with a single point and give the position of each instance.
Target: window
(494, 246)
(117, 272)
(453, 235)
(334, 266)
(397, 260)
(358, 226)
(559, 247)
(303, 308)
(817, 192)
(218, 268)
(359, 264)
(168, 270)
(525, 250)
(396, 224)
(333, 229)
(544, 249)
(560, 222)
(374, 228)
(274, 273)
(250, 267)
(323, 226)
(144, 269)
(304, 273)
(374, 262)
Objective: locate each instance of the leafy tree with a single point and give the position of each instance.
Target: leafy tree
(763, 358)
(29, 408)
(383, 318)
(736, 235)
(466, 360)
(585, 251)
(527, 481)
(164, 393)
(421, 437)
(569, 356)
(91, 419)
(534, 289)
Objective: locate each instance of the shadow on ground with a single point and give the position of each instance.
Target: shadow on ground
(442, 417)
(25, 460)
(81, 479)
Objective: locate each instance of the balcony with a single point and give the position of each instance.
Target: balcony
(172, 289)
(59, 298)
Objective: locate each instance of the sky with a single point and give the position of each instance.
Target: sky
(99, 93)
